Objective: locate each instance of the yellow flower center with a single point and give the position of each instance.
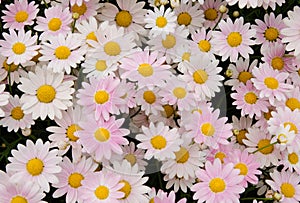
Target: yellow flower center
(217, 185)
(145, 69)
(9, 67)
(243, 168)
(293, 158)
(91, 36)
(35, 166)
(221, 156)
(250, 98)
(240, 136)
(71, 130)
(101, 192)
(101, 65)
(101, 97)
(234, 39)
(102, 134)
(293, 103)
(184, 18)
(282, 138)
(211, 14)
(21, 16)
(186, 56)
(292, 127)
(151, 200)
(244, 76)
(179, 92)
(19, 48)
(130, 158)
(54, 24)
(271, 83)
(17, 113)
(207, 129)
(18, 199)
(263, 143)
(169, 110)
(123, 18)
(268, 115)
(277, 63)
(112, 48)
(46, 93)
(287, 190)
(126, 188)
(161, 22)
(79, 9)
(75, 180)
(200, 76)
(62, 52)
(182, 155)
(149, 97)
(271, 34)
(158, 142)
(169, 42)
(204, 45)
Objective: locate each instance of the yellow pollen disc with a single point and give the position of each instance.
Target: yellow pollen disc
(221, 156)
(145, 69)
(130, 158)
(293, 103)
(234, 39)
(17, 113)
(182, 155)
(268, 115)
(126, 188)
(101, 192)
(250, 98)
(21, 16)
(9, 67)
(244, 76)
(207, 129)
(54, 24)
(271, 34)
(204, 45)
(91, 36)
(62, 52)
(123, 18)
(211, 14)
(71, 130)
(158, 142)
(240, 136)
(151, 200)
(277, 63)
(169, 110)
(293, 127)
(169, 42)
(243, 168)
(79, 9)
(293, 158)
(184, 18)
(161, 22)
(179, 92)
(18, 199)
(101, 97)
(271, 83)
(112, 48)
(102, 134)
(287, 190)
(75, 179)
(217, 185)
(19, 48)
(200, 76)
(35, 166)
(263, 143)
(186, 56)
(101, 65)
(149, 97)
(45, 93)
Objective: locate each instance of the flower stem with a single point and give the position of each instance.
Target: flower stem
(269, 145)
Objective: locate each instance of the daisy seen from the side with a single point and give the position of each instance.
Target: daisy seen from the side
(211, 11)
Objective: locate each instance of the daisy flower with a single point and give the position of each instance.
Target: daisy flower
(56, 21)
(212, 14)
(290, 161)
(45, 93)
(201, 41)
(160, 22)
(34, 163)
(285, 137)
(292, 101)
(71, 176)
(19, 14)
(270, 83)
(102, 138)
(222, 153)
(15, 118)
(287, 183)
(181, 55)
(178, 183)
(18, 47)
(240, 128)
(218, 183)
(86, 29)
(10, 73)
(233, 39)
(4, 99)
(167, 116)
(63, 52)
(159, 141)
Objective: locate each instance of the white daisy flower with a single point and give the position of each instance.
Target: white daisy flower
(10, 73)
(4, 96)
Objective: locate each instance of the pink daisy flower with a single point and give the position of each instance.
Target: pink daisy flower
(212, 14)
(102, 138)
(233, 39)
(240, 128)
(19, 14)
(163, 197)
(290, 161)
(292, 101)
(201, 41)
(10, 73)
(218, 183)
(270, 83)
(128, 91)
(222, 153)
